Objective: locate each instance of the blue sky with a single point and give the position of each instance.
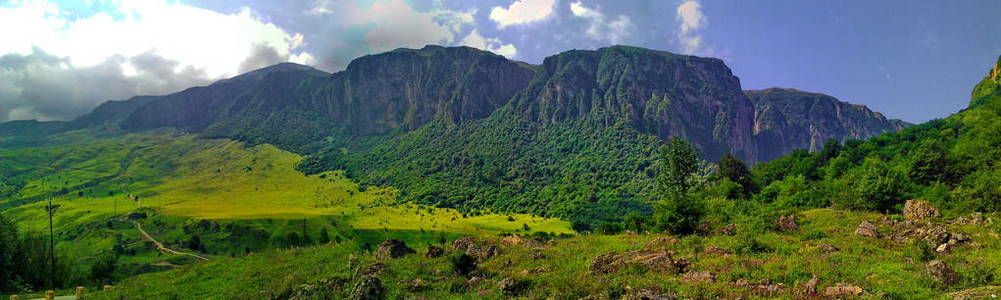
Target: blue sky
(913, 60)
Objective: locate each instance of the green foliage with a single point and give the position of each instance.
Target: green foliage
(8, 253)
(679, 210)
(793, 192)
(462, 264)
(732, 168)
(874, 186)
(610, 228)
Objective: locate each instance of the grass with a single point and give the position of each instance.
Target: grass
(882, 268)
(180, 180)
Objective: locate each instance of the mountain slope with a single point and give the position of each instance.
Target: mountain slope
(788, 119)
(659, 93)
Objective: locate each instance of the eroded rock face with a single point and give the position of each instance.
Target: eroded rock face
(920, 210)
(392, 249)
(942, 273)
(867, 229)
(657, 260)
(788, 119)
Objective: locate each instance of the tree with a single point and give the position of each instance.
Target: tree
(679, 162)
(635, 222)
(678, 211)
(8, 250)
(324, 236)
(929, 162)
(733, 168)
(831, 150)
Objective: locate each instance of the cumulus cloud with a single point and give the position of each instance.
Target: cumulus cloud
(522, 12)
(47, 87)
(600, 27)
(396, 24)
(689, 13)
(140, 46)
(475, 40)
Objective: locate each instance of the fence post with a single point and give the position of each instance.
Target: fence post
(50, 295)
(79, 292)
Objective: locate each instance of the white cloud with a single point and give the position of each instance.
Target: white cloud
(57, 67)
(192, 36)
(475, 40)
(522, 12)
(689, 13)
(396, 24)
(599, 27)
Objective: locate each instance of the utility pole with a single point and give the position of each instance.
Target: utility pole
(52, 249)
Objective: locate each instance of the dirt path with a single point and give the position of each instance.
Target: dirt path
(162, 247)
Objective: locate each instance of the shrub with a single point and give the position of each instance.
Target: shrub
(610, 228)
(462, 264)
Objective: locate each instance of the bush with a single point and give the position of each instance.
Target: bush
(462, 264)
(747, 245)
(875, 186)
(680, 215)
(610, 228)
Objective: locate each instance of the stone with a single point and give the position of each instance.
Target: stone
(810, 287)
(698, 276)
(512, 287)
(368, 288)
(842, 290)
(920, 210)
(434, 251)
(943, 248)
(657, 260)
(717, 250)
(481, 250)
(867, 229)
(786, 223)
(729, 229)
(828, 248)
(533, 271)
(942, 273)
(392, 248)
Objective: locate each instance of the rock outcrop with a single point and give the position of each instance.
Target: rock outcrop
(920, 210)
(656, 260)
(942, 273)
(788, 119)
(392, 249)
(867, 229)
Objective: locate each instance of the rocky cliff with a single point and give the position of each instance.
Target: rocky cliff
(788, 119)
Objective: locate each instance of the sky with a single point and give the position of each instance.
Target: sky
(908, 59)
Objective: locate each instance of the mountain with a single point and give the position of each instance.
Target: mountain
(465, 128)
(293, 106)
(788, 119)
(655, 92)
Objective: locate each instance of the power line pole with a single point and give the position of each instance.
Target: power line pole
(52, 249)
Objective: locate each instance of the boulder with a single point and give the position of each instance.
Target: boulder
(942, 273)
(842, 290)
(434, 252)
(367, 288)
(975, 219)
(512, 287)
(920, 210)
(657, 260)
(785, 223)
(698, 276)
(392, 249)
(867, 229)
(944, 248)
(481, 250)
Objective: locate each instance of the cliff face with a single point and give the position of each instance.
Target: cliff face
(788, 119)
(407, 88)
(292, 105)
(656, 92)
